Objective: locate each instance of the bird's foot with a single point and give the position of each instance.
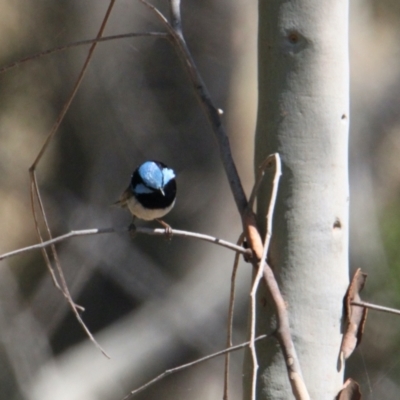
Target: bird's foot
(168, 229)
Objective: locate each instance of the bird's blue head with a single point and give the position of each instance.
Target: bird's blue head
(153, 176)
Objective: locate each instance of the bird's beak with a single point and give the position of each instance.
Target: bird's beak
(162, 191)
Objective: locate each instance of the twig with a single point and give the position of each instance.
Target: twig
(191, 364)
(32, 57)
(376, 307)
(44, 252)
(146, 231)
(259, 273)
(230, 318)
(74, 90)
(175, 30)
(260, 175)
(284, 337)
(35, 193)
(283, 332)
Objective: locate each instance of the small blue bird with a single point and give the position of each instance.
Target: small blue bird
(151, 193)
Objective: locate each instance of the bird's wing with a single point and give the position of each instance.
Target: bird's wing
(123, 200)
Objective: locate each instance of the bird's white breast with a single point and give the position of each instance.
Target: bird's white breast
(145, 213)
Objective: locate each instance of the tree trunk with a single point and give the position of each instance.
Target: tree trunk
(303, 115)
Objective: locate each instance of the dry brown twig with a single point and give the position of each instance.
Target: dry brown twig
(376, 307)
(36, 198)
(264, 271)
(230, 317)
(273, 159)
(284, 337)
(270, 160)
(191, 364)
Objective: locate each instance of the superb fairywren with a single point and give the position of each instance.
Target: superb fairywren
(151, 193)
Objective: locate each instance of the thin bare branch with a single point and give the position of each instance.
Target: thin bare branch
(205, 100)
(261, 172)
(146, 231)
(284, 337)
(283, 332)
(75, 88)
(259, 273)
(260, 175)
(230, 317)
(35, 193)
(191, 364)
(41, 54)
(63, 286)
(376, 307)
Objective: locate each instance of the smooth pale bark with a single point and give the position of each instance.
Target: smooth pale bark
(303, 115)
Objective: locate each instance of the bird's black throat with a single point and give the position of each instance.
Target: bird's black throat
(155, 200)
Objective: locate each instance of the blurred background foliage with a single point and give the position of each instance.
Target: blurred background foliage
(154, 304)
